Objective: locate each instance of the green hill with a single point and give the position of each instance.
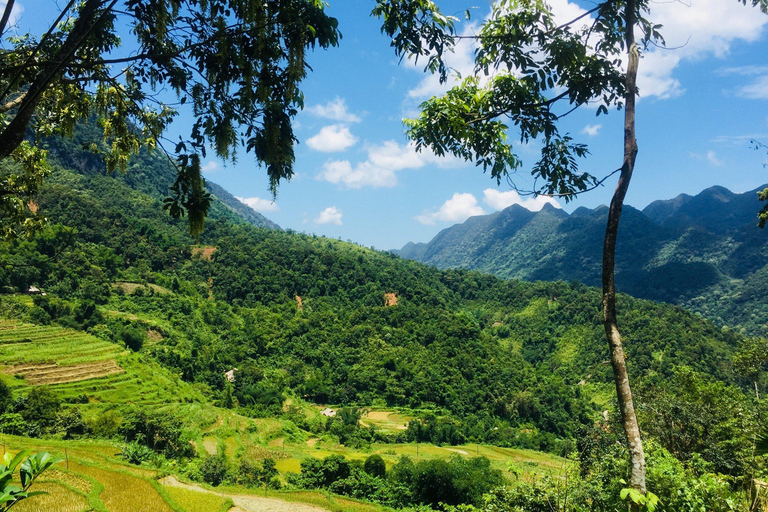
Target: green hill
(308, 314)
(704, 253)
(140, 325)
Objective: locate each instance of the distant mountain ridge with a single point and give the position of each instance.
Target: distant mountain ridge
(703, 252)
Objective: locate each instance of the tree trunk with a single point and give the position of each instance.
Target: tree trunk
(13, 134)
(628, 417)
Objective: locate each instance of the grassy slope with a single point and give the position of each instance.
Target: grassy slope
(25, 346)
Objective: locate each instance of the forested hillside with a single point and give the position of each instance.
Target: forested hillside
(704, 253)
(300, 318)
(308, 314)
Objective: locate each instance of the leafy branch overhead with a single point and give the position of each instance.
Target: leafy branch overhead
(237, 65)
(531, 70)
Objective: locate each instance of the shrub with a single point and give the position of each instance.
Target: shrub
(6, 397)
(375, 466)
(132, 336)
(41, 407)
(214, 469)
(13, 423)
(158, 431)
(105, 425)
(70, 423)
(136, 453)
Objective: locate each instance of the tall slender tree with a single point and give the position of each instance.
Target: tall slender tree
(531, 71)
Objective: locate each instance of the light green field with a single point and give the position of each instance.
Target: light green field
(92, 477)
(30, 352)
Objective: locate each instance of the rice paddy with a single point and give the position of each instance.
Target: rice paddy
(76, 365)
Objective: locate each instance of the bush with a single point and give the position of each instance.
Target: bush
(454, 481)
(375, 466)
(136, 453)
(41, 407)
(105, 425)
(158, 431)
(6, 397)
(320, 474)
(132, 336)
(214, 468)
(70, 423)
(13, 423)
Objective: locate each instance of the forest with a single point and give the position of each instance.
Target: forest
(164, 347)
(306, 319)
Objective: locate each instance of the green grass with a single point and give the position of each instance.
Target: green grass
(331, 502)
(98, 478)
(143, 381)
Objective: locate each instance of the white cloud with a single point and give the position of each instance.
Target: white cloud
(362, 175)
(330, 215)
(457, 209)
(591, 129)
(381, 167)
(461, 61)
(332, 138)
(335, 110)
(742, 70)
(16, 13)
(210, 166)
(654, 76)
(757, 90)
(710, 157)
(259, 204)
(500, 200)
(703, 28)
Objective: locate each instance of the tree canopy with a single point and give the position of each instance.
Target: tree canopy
(236, 64)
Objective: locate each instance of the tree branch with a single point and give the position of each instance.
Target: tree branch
(13, 103)
(6, 16)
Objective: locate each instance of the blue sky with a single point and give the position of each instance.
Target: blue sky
(358, 178)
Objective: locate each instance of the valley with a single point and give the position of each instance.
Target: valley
(187, 369)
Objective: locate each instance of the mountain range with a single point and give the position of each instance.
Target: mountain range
(702, 252)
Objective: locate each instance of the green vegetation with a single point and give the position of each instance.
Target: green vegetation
(467, 374)
(700, 252)
(29, 467)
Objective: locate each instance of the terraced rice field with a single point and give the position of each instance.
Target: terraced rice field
(75, 364)
(51, 373)
(22, 343)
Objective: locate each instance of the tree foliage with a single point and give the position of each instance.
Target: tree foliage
(237, 65)
(29, 467)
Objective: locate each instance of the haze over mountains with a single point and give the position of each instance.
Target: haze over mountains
(702, 252)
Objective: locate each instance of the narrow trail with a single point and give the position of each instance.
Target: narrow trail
(247, 502)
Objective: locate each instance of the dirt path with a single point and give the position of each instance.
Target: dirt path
(248, 503)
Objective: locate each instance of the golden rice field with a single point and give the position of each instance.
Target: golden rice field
(94, 479)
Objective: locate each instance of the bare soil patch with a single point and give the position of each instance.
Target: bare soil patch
(210, 445)
(204, 253)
